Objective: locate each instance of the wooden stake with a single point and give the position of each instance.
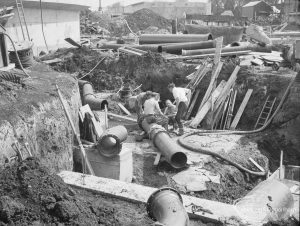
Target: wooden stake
(86, 160)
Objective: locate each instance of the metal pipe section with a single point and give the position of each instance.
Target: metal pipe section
(168, 147)
(255, 48)
(178, 47)
(269, 200)
(153, 48)
(110, 143)
(165, 206)
(172, 38)
(89, 98)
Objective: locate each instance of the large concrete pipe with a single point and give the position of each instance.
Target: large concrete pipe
(230, 34)
(161, 139)
(89, 98)
(269, 200)
(171, 38)
(178, 47)
(110, 143)
(254, 48)
(165, 206)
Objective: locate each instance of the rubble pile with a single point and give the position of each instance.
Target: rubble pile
(144, 18)
(29, 195)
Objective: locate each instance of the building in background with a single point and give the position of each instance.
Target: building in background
(60, 19)
(255, 9)
(292, 11)
(172, 10)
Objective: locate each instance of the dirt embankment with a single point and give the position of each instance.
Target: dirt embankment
(30, 195)
(150, 70)
(139, 21)
(32, 113)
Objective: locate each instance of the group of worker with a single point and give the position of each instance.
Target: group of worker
(147, 103)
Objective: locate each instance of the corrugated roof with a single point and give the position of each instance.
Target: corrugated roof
(252, 3)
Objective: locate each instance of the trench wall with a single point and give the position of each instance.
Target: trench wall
(34, 114)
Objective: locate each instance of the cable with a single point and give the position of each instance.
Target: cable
(92, 68)
(17, 55)
(42, 22)
(184, 144)
(130, 28)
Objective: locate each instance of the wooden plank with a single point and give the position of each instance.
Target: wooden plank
(192, 105)
(52, 61)
(241, 109)
(219, 43)
(224, 111)
(257, 165)
(206, 107)
(124, 109)
(140, 194)
(228, 86)
(121, 117)
(214, 76)
(230, 110)
(238, 53)
(157, 159)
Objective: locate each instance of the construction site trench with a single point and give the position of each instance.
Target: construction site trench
(44, 137)
(31, 193)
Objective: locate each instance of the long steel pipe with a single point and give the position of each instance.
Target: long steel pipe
(269, 200)
(153, 48)
(172, 38)
(254, 48)
(168, 147)
(165, 206)
(110, 143)
(89, 98)
(178, 47)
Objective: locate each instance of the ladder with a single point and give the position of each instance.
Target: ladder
(22, 19)
(265, 112)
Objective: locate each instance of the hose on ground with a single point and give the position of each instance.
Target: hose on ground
(17, 55)
(184, 144)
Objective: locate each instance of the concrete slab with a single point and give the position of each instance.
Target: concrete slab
(138, 193)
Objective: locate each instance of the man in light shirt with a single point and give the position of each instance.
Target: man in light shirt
(182, 97)
(151, 107)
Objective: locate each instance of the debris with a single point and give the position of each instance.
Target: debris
(194, 179)
(256, 32)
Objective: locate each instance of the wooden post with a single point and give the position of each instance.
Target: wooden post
(86, 160)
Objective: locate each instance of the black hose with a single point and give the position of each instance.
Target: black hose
(183, 143)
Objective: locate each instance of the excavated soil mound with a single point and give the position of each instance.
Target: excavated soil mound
(152, 71)
(29, 195)
(144, 18)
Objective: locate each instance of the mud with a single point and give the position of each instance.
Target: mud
(30, 195)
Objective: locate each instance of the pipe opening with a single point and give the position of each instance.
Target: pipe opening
(109, 146)
(160, 49)
(103, 103)
(210, 37)
(234, 44)
(178, 160)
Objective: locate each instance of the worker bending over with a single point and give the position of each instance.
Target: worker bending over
(151, 108)
(139, 102)
(182, 97)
